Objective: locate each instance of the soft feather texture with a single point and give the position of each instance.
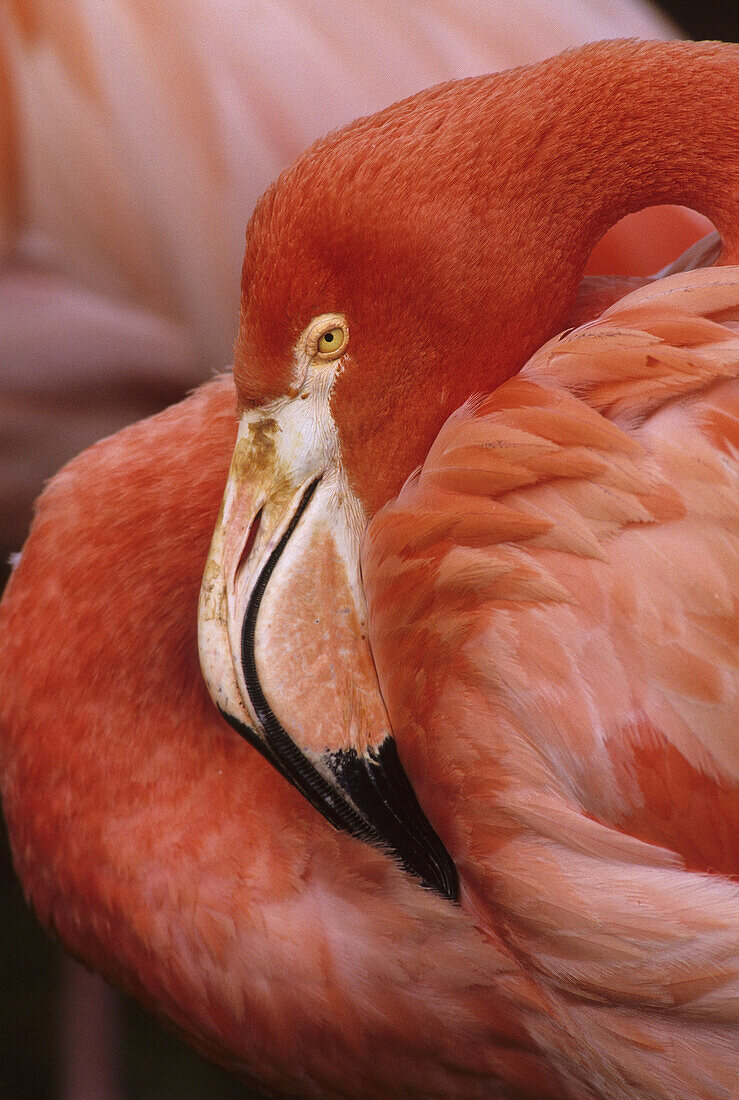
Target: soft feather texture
(185, 868)
(559, 576)
(215, 893)
(549, 602)
(453, 229)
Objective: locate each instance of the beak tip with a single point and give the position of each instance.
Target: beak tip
(380, 791)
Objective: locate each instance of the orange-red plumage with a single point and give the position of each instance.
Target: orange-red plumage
(550, 606)
(435, 225)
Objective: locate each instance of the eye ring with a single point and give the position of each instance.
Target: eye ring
(327, 337)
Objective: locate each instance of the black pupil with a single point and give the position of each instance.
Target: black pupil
(329, 337)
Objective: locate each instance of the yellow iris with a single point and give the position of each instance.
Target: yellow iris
(332, 341)
(326, 337)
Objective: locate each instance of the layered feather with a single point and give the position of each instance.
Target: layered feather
(560, 576)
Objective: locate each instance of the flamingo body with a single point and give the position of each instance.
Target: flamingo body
(210, 869)
(548, 605)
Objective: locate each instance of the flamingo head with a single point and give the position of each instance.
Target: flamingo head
(388, 275)
(342, 371)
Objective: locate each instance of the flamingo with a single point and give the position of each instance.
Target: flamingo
(538, 635)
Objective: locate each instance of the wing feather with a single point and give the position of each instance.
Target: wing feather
(566, 700)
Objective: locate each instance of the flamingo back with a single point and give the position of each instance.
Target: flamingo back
(560, 577)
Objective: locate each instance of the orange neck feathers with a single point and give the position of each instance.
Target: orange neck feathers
(453, 229)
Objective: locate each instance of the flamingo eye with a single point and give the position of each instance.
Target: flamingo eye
(327, 336)
(331, 341)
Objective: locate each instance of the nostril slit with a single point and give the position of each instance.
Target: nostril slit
(250, 539)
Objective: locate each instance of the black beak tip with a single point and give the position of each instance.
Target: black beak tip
(376, 784)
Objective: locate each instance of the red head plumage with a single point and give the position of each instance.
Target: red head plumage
(453, 228)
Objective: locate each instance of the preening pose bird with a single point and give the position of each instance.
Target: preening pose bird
(469, 591)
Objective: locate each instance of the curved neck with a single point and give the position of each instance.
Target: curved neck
(602, 132)
(658, 122)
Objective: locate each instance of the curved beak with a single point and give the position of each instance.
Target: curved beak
(283, 640)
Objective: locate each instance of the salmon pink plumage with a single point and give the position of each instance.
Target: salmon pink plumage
(470, 591)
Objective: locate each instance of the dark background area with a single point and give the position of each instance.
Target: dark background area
(33, 973)
(710, 19)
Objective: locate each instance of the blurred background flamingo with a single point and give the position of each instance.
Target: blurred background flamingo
(119, 283)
